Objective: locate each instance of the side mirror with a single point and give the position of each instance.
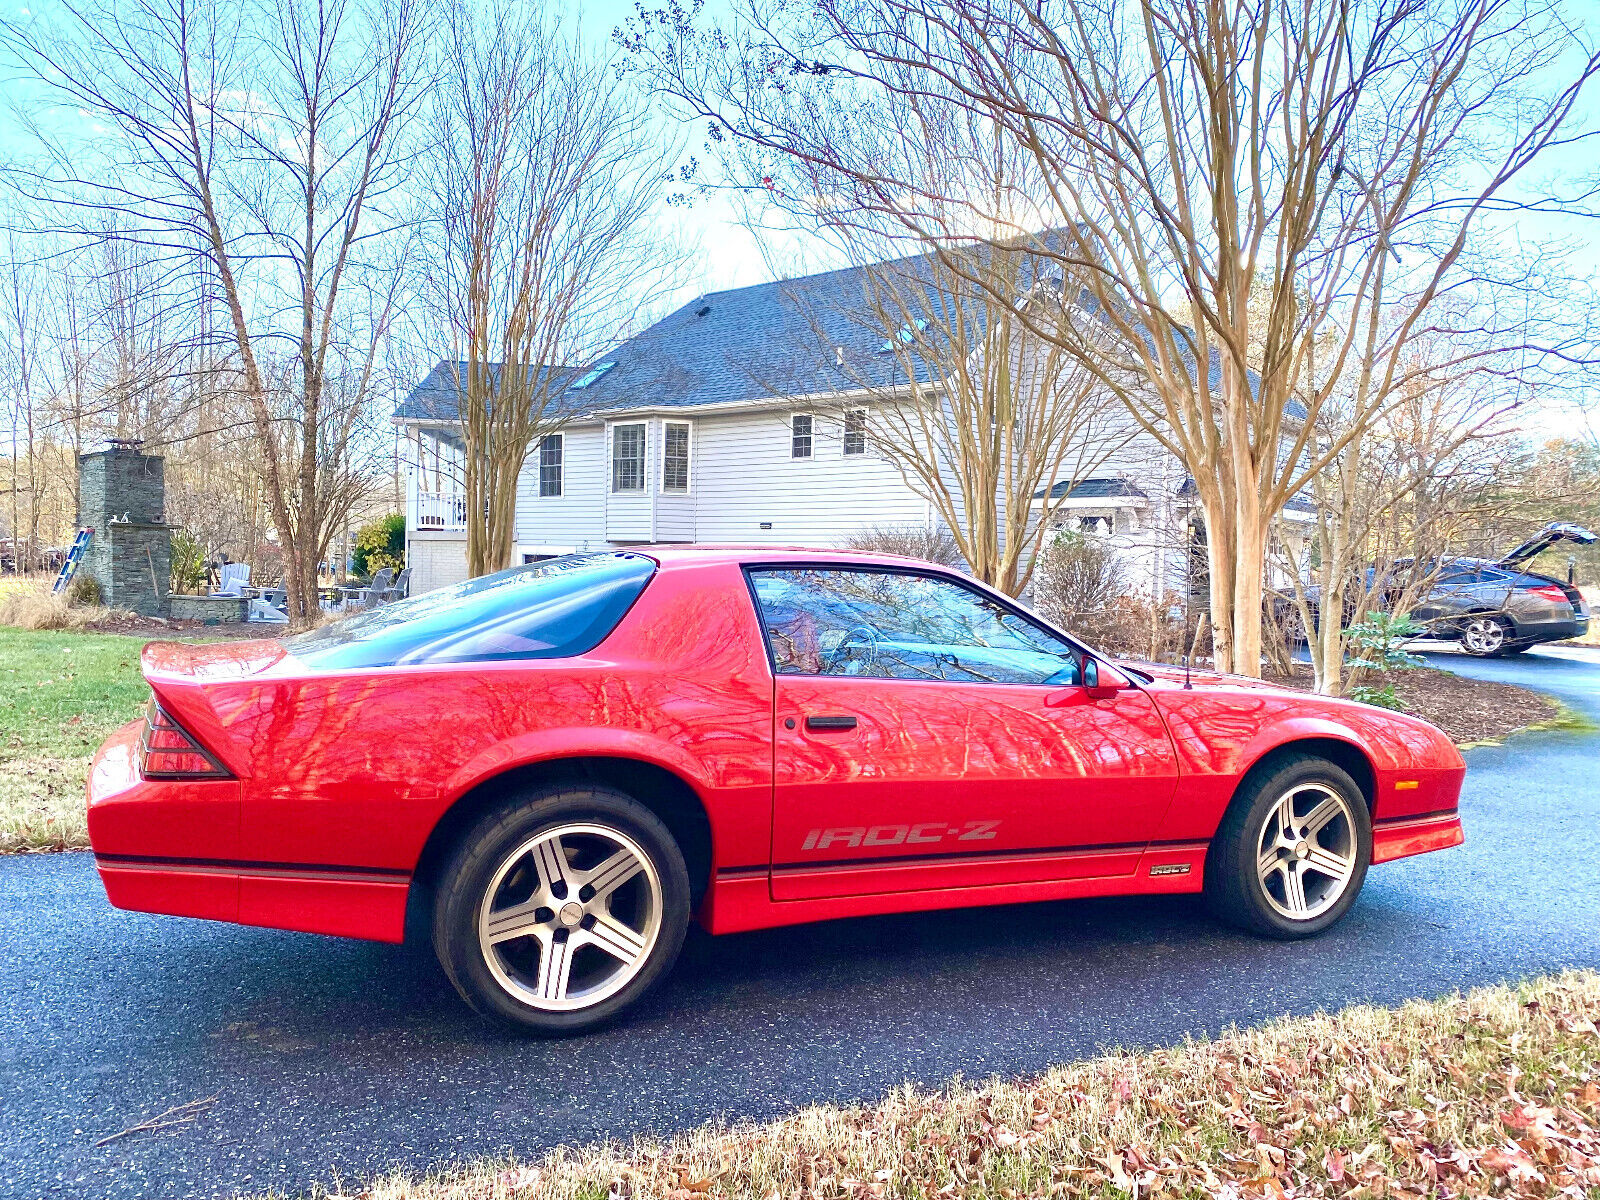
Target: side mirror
(1101, 681)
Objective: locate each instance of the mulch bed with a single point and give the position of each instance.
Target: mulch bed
(1469, 710)
(133, 625)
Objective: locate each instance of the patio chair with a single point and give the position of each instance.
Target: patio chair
(373, 592)
(231, 579)
(271, 605)
(399, 590)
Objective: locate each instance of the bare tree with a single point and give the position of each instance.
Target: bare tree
(982, 417)
(22, 323)
(1398, 498)
(545, 177)
(256, 150)
(1226, 181)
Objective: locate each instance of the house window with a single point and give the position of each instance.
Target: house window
(675, 457)
(550, 450)
(627, 458)
(800, 435)
(855, 431)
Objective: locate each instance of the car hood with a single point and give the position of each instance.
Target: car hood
(1201, 677)
(1556, 531)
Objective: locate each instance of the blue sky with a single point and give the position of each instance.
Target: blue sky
(728, 255)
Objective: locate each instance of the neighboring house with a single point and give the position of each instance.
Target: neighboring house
(699, 429)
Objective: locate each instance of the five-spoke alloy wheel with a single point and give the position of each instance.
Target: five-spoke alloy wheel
(1293, 849)
(559, 910)
(1308, 851)
(570, 917)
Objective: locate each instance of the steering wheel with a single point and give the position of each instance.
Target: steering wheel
(866, 637)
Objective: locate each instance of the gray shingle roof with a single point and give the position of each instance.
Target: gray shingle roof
(436, 397)
(768, 340)
(1298, 503)
(750, 343)
(1094, 489)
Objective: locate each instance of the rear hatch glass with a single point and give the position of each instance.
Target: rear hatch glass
(552, 609)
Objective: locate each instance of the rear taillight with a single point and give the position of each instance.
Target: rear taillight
(1550, 592)
(168, 751)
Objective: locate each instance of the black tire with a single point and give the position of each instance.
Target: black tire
(486, 850)
(1233, 886)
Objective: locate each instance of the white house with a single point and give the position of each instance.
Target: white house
(698, 430)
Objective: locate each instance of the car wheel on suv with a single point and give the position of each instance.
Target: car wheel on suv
(559, 910)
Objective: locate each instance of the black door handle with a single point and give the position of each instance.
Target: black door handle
(830, 722)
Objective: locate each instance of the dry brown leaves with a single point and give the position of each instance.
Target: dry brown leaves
(1492, 1094)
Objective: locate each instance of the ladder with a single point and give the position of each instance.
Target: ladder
(74, 556)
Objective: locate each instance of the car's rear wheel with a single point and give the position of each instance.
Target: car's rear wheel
(1292, 852)
(1485, 636)
(560, 910)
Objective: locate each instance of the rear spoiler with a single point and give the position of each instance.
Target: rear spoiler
(1556, 531)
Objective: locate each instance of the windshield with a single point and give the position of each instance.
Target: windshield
(553, 609)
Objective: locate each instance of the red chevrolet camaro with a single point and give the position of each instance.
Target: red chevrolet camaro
(571, 759)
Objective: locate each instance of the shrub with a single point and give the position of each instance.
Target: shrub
(1079, 585)
(1377, 648)
(188, 562)
(379, 544)
(1077, 580)
(32, 605)
(84, 591)
(932, 543)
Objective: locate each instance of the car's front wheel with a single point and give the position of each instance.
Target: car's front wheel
(1292, 851)
(560, 910)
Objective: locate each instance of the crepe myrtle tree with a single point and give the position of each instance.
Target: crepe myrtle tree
(1399, 496)
(981, 417)
(1404, 493)
(255, 154)
(542, 185)
(1235, 185)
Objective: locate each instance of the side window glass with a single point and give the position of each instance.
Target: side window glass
(894, 625)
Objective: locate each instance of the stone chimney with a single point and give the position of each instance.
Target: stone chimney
(122, 495)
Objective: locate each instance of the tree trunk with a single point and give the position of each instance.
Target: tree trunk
(1328, 644)
(1220, 569)
(1250, 559)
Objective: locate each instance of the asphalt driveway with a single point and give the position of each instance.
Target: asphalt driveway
(329, 1055)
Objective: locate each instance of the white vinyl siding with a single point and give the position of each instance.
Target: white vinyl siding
(745, 474)
(629, 504)
(577, 517)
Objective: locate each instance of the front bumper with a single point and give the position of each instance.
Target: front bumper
(1403, 838)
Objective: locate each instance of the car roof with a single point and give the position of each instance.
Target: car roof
(699, 552)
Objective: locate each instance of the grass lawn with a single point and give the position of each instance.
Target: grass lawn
(1496, 1093)
(60, 695)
